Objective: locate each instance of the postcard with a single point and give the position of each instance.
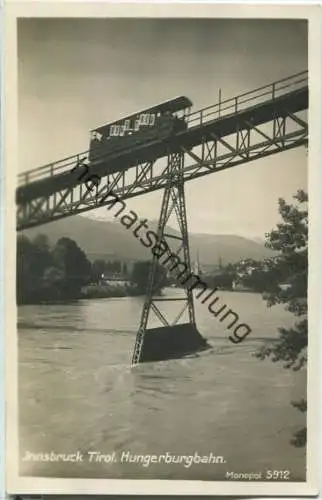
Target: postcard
(162, 248)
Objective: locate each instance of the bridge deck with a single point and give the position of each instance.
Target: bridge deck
(256, 107)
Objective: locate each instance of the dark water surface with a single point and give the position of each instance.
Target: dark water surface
(77, 393)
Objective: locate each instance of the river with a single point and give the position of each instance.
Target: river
(77, 393)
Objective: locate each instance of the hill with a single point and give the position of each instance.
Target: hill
(110, 240)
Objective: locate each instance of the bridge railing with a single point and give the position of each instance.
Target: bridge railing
(51, 169)
(252, 98)
(229, 106)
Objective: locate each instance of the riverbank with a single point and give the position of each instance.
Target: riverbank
(92, 291)
(105, 291)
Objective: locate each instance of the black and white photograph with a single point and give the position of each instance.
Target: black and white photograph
(160, 256)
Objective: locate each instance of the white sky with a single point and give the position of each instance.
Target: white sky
(77, 74)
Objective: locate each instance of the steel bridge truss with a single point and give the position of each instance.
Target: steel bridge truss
(214, 153)
(172, 246)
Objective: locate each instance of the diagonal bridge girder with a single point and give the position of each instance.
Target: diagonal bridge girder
(254, 133)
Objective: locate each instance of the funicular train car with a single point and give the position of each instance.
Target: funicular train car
(155, 123)
(109, 141)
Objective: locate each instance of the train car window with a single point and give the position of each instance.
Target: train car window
(115, 130)
(127, 124)
(144, 119)
(152, 120)
(137, 125)
(122, 130)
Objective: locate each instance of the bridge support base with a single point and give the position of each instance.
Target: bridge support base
(172, 339)
(171, 342)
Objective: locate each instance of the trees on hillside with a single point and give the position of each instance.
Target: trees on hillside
(290, 240)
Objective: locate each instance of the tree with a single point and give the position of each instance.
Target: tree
(74, 266)
(44, 274)
(25, 272)
(140, 276)
(223, 280)
(42, 242)
(254, 275)
(33, 257)
(51, 284)
(290, 267)
(42, 252)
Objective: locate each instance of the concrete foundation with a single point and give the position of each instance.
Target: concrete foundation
(172, 342)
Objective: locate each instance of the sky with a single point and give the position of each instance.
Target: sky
(77, 74)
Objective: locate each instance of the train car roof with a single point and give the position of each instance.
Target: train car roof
(172, 105)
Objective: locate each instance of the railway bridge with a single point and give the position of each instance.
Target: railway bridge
(244, 128)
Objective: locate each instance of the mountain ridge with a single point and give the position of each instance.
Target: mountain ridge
(111, 240)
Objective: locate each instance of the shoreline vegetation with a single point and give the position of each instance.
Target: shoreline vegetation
(62, 273)
(102, 291)
(92, 291)
(106, 291)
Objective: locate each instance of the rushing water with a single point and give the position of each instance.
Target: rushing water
(77, 392)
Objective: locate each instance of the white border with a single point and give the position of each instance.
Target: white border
(20, 485)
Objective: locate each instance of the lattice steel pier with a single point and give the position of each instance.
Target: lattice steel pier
(174, 338)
